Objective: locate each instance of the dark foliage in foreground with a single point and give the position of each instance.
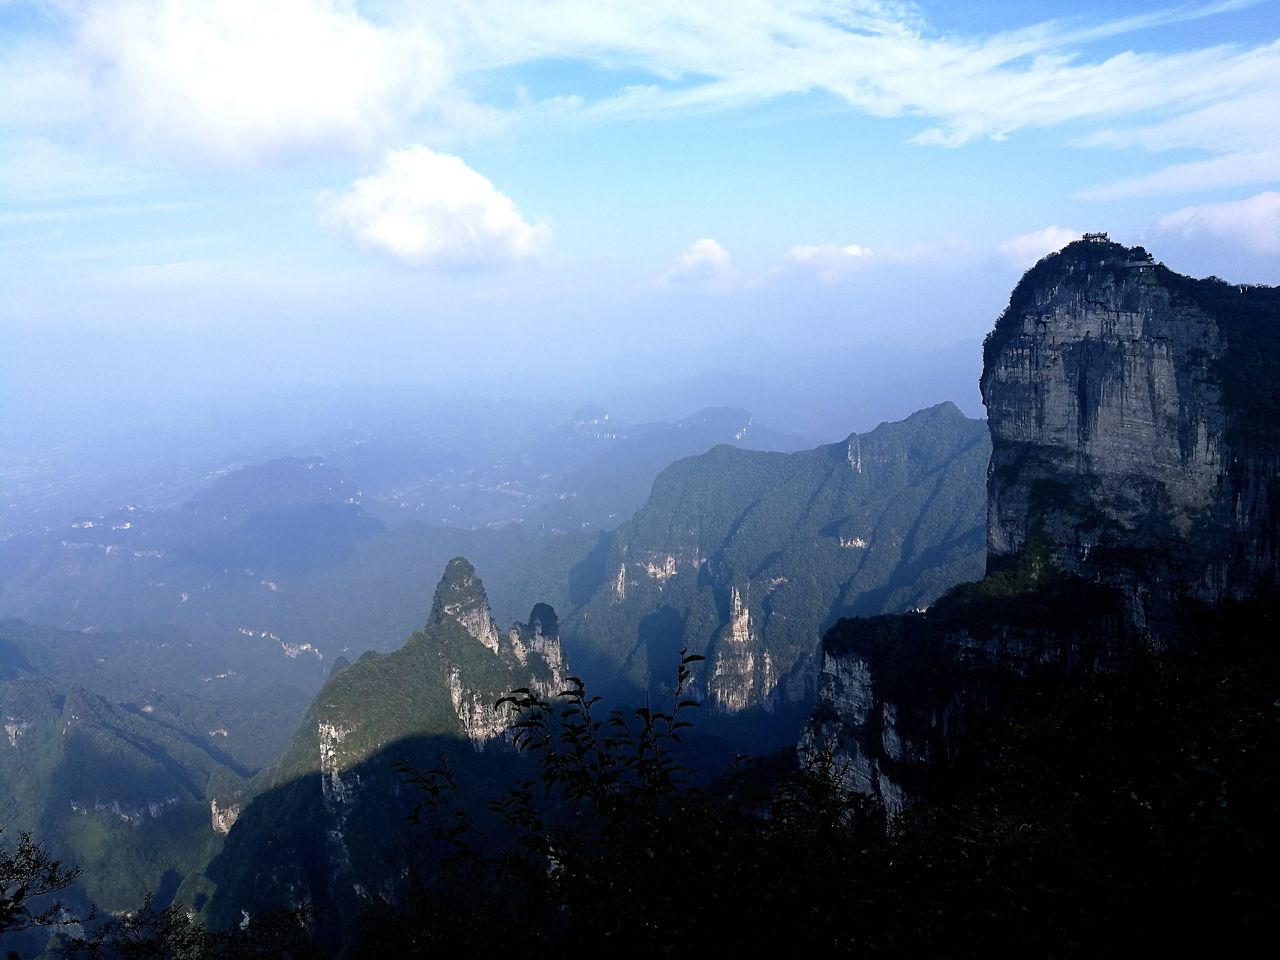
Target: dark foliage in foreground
(172, 933)
(613, 846)
(30, 879)
(1127, 812)
(1124, 811)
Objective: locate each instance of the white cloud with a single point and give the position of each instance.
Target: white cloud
(240, 80)
(705, 262)
(828, 262)
(1023, 251)
(1253, 223)
(1230, 170)
(881, 58)
(430, 209)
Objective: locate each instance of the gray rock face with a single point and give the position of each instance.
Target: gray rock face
(848, 701)
(1135, 427)
(1111, 431)
(316, 829)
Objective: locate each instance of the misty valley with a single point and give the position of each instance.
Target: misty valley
(666, 479)
(746, 679)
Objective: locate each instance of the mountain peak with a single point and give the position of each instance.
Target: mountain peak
(460, 597)
(1132, 414)
(543, 620)
(589, 415)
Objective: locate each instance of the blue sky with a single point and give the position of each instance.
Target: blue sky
(201, 195)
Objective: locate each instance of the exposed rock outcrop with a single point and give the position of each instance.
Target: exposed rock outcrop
(742, 673)
(1135, 466)
(316, 830)
(746, 558)
(1120, 431)
(460, 597)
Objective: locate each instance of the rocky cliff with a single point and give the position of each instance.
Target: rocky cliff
(1132, 426)
(746, 558)
(1135, 468)
(327, 816)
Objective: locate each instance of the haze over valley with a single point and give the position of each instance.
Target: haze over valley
(484, 476)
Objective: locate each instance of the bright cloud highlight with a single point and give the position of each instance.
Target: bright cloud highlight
(244, 79)
(828, 262)
(1253, 223)
(705, 262)
(430, 209)
(1023, 251)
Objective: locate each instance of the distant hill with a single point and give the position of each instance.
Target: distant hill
(588, 473)
(747, 557)
(607, 468)
(119, 784)
(276, 569)
(270, 573)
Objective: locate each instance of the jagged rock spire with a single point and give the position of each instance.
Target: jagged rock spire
(460, 597)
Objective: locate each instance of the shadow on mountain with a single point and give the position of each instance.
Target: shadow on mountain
(339, 844)
(347, 844)
(218, 756)
(586, 576)
(661, 637)
(12, 660)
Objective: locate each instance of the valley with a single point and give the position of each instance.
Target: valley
(780, 479)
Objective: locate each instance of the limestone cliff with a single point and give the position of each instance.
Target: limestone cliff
(746, 557)
(1126, 432)
(320, 829)
(1135, 467)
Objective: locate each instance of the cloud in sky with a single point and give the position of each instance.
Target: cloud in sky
(704, 263)
(243, 79)
(828, 262)
(1253, 223)
(1242, 168)
(1023, 251)
(429, 209)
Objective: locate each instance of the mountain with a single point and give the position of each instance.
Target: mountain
(502, 467)
(605, 468)
(286, 564)
(747, 557)
(123, 789)
(189, 687)
(1134, 489)
(1134, 419)
(269, 574)
(325, 823)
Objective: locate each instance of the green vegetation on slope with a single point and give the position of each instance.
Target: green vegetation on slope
(1130, 811)
(323, 821)
(124, 796)
(884, 522)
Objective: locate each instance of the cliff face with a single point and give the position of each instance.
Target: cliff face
(1122, 433)
(320, 829)
(1134, 466)
(746, 557)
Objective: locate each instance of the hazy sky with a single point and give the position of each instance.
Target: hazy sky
(229, 193)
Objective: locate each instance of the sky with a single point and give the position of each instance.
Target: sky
(201, 199)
